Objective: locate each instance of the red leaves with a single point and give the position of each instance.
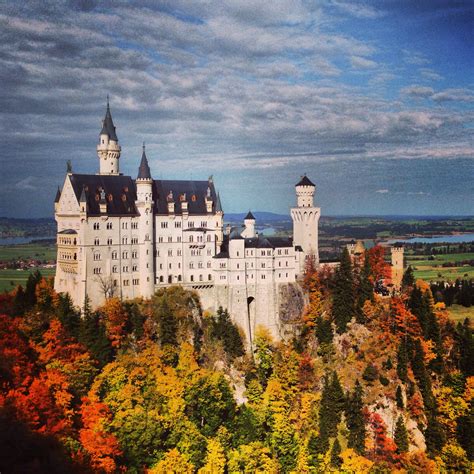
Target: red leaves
(380, 269)
(101, 446)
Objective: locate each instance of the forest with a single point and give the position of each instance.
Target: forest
(367, 384)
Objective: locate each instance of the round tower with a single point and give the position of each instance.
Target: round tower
(305, 220)
(144, 203)
(249, 223)
(108, 149)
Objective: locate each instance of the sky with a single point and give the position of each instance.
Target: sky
(373, 100)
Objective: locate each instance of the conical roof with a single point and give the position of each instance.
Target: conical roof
(58, 195)
(144, 168)
(108, 127)
(249, 216)
(83, 197)
(304, 181)
(218, 203)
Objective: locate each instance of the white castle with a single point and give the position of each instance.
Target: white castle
(123, 237)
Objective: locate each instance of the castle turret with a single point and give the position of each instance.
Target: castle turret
(305, 220)
(397, 266)
(144, 204)
(108, 148)
(249, 222)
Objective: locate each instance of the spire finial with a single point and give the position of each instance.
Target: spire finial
(108, 101)
(143, 146)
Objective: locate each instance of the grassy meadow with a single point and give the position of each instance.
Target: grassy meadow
(433, 270)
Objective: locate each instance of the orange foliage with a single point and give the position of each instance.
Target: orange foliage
(102, 447)
(384, 448)
(403, 320)
(415, 405)
(115, 320)
(379, 268)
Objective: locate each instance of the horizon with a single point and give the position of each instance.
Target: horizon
(373, 101)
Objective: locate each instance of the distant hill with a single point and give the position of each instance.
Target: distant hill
(260, 216)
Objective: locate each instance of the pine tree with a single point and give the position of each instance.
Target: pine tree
(323, 331)
(93, 335)
(365, 290)
(168, 326)
(465, 431)
(401, 436)
(224, 330)
(399, 398)
(336, 460)
(422, 377)
(435, 437)
(19, 304)
(465, 343)
(402, 362)
(355, 420)
(408, 279)
(69, 317)
(343, 294)
(30, 290)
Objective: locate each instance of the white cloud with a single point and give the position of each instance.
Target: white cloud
(382, 191)
(359, 62)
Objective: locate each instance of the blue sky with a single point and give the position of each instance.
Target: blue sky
(373, 100)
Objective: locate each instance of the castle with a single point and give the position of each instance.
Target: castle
(123, 237)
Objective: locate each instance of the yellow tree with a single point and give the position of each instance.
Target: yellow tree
(173, 463)
(215, 458)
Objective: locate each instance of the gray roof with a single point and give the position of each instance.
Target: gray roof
(119, 192)
(218, 203)
(249, 216)
(195, 193)
(58, 195)
(108, 127)
(144, 168)
(68, 232)
(304, 181)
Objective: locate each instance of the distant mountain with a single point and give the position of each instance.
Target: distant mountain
(260, 217)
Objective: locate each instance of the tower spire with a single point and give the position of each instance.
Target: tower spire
(108, 148)
(144, 168)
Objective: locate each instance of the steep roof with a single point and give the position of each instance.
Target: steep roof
(304, 181)
(120, 193)
(58, 195)
(195, 193)
(249, 216)
(144, 168)
(108, 127)
(218, 203)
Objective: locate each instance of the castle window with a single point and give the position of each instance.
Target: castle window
(170, 239)
(170, 279)
(263, 277)
(286, 251)
(134, 240)
(124, 225)
(179, 264)
(96, 241)
(136, 281)
(200, 278)
(164, 225)
(208, 264)
(177, 225)
(109, 225)
(124, 254)
(238, 278)
(200, 265)
(209, 238)
(179, 253)
(160, 240)
(115, 282)
(134, 225)
(203, 223)
(134, 254)
(191, 238)
(124, 240)
(191, 264)
(209, 251)
(161, 266)
(134, 268)
(125, 269)
(279, 264)
(179, 239)
(237, 254)
(114, 269)
(114, 255)
(169, 266)
(97, 256)
(263, 264)
(125, 282)
(170, 253)
(179, 277)
(192, 277)
(161, 279)
(209, 277)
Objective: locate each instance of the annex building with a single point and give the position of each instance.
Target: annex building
(119, 236)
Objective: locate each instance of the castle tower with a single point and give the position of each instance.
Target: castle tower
(249, 222)
(108, 148)
(305, 220)
(144, 205)
(397, 266)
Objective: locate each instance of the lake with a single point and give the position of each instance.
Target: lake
(23, 240)
(439, 239)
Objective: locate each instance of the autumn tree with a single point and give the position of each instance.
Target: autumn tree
(355, 420)
(401, 436)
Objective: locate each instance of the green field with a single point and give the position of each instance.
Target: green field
(10, 278)
(460, 313)
(431, 270)
(36, 251)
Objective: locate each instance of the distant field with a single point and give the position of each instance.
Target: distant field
(431, 270)
(460, 313)
(36, 251)
(10, 278)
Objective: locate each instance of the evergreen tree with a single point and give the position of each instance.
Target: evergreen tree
(336, 460)
(417, 305)
(408, 279)
(465, 343)
(435, 437)
(224, 330)
(422, 377)
(93, 335)
(399, 398)
(355, 420)
(323, 331)
(365, 290)
(30, 290)
(465, 431)
(167, 325)
(401, 436)
(19, 302)
(343, 294)
(402, 361)
(69, 317)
